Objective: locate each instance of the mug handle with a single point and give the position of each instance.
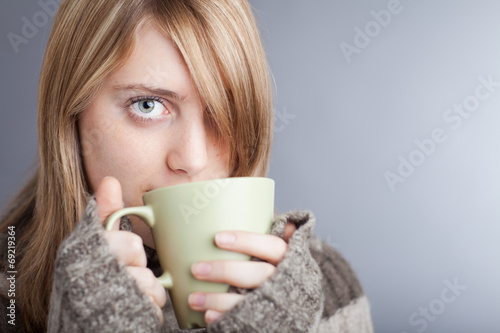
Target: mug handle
(147, 215)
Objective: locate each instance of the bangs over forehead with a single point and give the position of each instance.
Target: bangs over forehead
(221, 46)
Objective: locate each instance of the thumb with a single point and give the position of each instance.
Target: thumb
(108, 198)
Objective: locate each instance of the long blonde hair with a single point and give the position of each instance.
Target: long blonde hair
(90, 39)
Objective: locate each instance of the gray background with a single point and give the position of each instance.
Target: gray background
(340, 126)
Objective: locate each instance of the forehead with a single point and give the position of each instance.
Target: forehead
(155, 61)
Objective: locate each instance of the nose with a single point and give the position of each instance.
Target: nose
(189, 154)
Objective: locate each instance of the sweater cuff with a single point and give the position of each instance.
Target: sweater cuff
(91, 290)
(291, 300)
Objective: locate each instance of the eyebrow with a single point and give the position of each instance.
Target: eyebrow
(151, 90)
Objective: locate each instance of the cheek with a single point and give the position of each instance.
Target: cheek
(112, 150)
(219, 159)
(97, 152)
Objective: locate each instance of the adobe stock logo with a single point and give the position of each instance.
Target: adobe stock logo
(453, 117)
(201, 198)
(421, 319)
(282, 119)
(363, 37)
(30, 27)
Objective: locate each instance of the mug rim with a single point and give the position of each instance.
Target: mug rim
(201, 182)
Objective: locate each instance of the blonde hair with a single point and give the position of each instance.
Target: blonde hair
(89, 40)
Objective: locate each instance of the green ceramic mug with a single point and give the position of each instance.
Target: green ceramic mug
(184, 220)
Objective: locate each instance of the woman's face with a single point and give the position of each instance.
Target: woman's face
(147, 126)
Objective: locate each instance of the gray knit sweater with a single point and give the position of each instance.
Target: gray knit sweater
(313, 290)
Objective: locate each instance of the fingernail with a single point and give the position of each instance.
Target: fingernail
(225, 238)
(196, 300)
(201, 269)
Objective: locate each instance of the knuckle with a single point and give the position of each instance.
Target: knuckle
(149, 279)
(222, 269)
(135, 244)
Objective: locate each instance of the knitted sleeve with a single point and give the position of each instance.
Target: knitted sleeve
(346, 308)
(91, 291)
(313, 290)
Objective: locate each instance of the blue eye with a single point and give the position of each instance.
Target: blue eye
(148, 107)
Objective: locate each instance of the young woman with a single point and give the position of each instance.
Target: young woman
(136, 95)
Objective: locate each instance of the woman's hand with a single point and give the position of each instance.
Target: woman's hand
(127, 246)
(243, 274)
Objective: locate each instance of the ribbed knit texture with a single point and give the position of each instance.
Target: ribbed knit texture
(291, 300)
(92, 292)
(339, 281)
(313, 289)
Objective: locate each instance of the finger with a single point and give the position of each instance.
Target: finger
(266, 247)
(108, 198)
(212, 315)
(220, 302)
(147, 282)
(159, 313)
(127, 248)
(243, 274)
(289, 230)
